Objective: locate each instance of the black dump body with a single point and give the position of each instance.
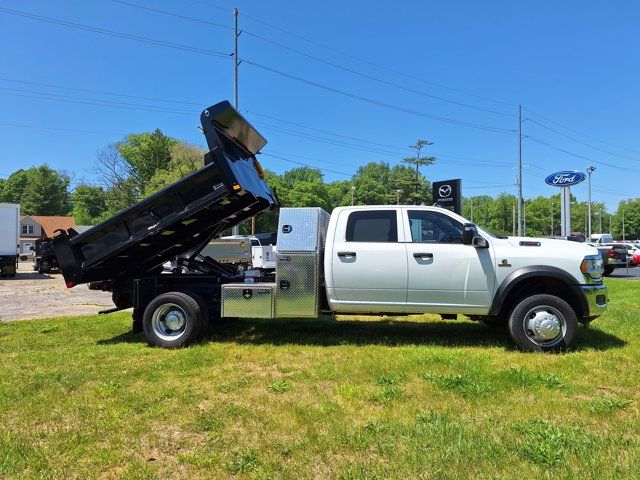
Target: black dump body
(180, 219)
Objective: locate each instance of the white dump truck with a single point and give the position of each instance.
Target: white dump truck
(9, 238)
(365, 260)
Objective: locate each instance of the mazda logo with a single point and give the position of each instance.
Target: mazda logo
(444, 190)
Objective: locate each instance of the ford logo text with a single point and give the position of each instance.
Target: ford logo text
(566, 178)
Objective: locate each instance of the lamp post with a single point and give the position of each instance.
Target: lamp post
(590, 170)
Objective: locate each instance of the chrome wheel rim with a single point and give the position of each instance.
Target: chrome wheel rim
(545, 326)
(169, 321)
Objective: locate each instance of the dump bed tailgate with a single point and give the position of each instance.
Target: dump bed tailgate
(180, 219)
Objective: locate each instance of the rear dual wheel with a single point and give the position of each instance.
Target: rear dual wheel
(174, 319)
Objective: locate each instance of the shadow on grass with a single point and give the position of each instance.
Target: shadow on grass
(326, 331)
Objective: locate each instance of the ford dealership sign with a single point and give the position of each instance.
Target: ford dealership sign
(565, 178)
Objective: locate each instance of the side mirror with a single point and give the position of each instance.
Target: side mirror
(480, 242)
(469, 231)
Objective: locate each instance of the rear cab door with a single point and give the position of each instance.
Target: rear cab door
(367, 261)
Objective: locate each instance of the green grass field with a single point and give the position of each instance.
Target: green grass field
(412, 397)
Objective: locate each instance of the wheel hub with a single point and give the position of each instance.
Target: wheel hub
(544, 326)
(174, 320)
(169, 322)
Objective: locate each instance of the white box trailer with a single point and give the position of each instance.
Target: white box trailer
(9, 238)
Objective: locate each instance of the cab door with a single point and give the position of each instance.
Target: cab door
(369, 261)
(445, 276)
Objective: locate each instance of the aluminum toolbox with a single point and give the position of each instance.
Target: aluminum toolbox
(302, 229)
(298, 284)
(248, 300)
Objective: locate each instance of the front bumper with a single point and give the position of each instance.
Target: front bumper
(596, 300)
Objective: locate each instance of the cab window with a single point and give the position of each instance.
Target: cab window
(433, 227)
(372, 226)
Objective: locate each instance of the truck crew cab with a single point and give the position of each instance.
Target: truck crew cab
(358, 260)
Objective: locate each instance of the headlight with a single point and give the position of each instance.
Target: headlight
(593, 266)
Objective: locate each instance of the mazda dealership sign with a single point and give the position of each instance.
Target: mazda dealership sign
(448, 193)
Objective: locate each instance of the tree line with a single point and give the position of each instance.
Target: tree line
(143, 163)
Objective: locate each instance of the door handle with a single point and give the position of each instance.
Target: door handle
(346, 254)
(423, 255)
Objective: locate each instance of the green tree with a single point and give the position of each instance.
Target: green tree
(373, 184)
(14, 186)
(413, 192)
(146, 153)
(339, 193)
(627, 216)
(184, 159)
(46, 192)
(89, 204)
(121, 195)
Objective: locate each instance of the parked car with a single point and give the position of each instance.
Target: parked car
(362, 260)
(633, 253)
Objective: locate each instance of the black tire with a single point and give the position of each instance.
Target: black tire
(558, 308)
(187, 307)
(608, 270)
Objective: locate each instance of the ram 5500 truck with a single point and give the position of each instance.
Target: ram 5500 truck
(390, 260)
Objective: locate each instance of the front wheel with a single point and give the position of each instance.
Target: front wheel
(173, 319)
(543, 323)
(608, 270)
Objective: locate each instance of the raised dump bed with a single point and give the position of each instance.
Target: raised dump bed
(180, 219)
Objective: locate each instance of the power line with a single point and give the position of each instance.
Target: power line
(272, 70)
(164, 12)
(101, 92)
(490, 186)
(307, 165)
(581, 142)
(112, 33)
(379, 103)
(82, 101)
(581, 133)
(582, 156)
(36, 127)
(251, 112)
(375, 79)
(317, 59)
(354, 57)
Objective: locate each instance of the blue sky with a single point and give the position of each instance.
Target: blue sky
(573, 62)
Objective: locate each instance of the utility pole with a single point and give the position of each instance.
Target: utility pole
(520, 213)
(590, 170)
(552, 217)
(471, 209)
(398, 192)
(353, 189)
(513, 220)
(235, 230)
(600, 220)
(524, 218)
(610, 231)
(623, 232)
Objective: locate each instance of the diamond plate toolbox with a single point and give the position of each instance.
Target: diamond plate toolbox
(297, 284)
(302, 229)
(248, 300)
